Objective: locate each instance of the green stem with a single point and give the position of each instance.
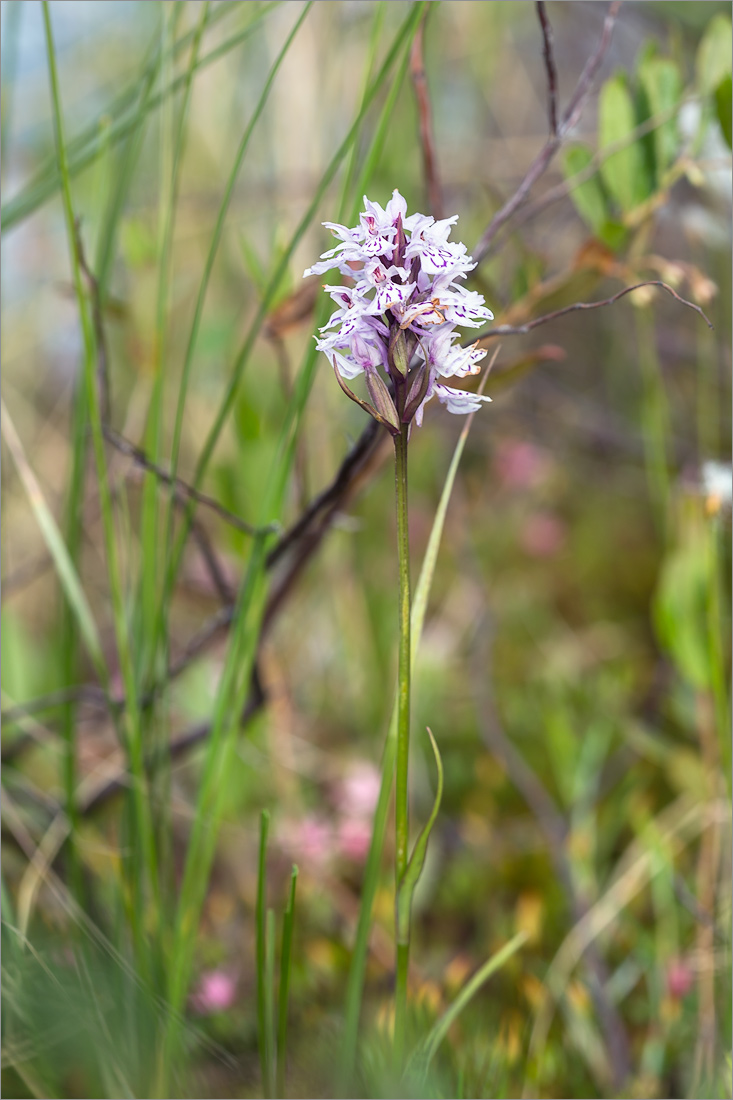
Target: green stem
(402, 821)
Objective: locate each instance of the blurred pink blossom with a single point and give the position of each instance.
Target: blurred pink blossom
(215, 992)
(521, 465)
(680, 978)
(310, 840)
(354, 837)
(542, 535)
(358, 790)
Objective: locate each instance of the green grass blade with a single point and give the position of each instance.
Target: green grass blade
(46, 184)
(427, 1050)
(11, 35)
(261, 954)
(417, 859)
(282, 1004)
(216, 239)
(131, 730)
(377, 21)
(270, 999)
(65, 569)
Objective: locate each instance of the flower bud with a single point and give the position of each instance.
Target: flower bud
(419, 381)
(382, 399)
(390, 421)
(399, 361)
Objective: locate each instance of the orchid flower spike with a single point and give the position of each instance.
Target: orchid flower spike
(398, 320)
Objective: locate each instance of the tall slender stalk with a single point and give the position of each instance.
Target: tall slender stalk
(402, 809)
(131, 729)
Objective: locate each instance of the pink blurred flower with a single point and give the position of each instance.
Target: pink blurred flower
(354, 837)
(358, 791)
(680, 978)
(215, 992)
(309, 840)
(521, 465)
(542, 535)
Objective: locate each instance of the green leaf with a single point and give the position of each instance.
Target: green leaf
(417, 859)
(426, 1051)
(662, 87)
(613, 234)
(282, 1001)
(713, 62)
(723, 107)
(680, 610)
(65, 568)
(625, 172)
(588, 197)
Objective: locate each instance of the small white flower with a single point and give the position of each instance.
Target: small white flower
(717, 484)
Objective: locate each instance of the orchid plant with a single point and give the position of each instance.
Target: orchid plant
(396, 323)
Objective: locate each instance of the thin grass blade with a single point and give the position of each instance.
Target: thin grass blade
(67, 574)
(427, 1050)
(285, 957)
(417, 859)
(261, 952)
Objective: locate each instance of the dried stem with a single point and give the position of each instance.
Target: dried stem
(569, 118)
(425, 115)
(522, 330)
(181, 488)
(549, 58)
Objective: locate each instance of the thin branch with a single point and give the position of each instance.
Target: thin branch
(203, 637)
(74, 693)
(568, 120)
(351, 467)
(549, 58)
(176, 748)
(180, 487)
(223, 588)
(299, 543)
(425, 116)
(522, 330)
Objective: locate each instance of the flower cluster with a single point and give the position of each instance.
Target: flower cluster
(400, 316)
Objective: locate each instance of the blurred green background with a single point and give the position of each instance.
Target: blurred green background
(575, 661)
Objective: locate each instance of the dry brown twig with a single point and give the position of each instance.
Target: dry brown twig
(550, 67)
(522, 330)
(425, 116)
(181, 488)
(569, 118)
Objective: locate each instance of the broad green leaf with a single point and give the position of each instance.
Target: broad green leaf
(625, 172)
(662, 87)
(723, 107)
(417, 859)
(588, 196)
(713, 62)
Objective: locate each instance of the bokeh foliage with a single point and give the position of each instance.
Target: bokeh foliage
(575, 661)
